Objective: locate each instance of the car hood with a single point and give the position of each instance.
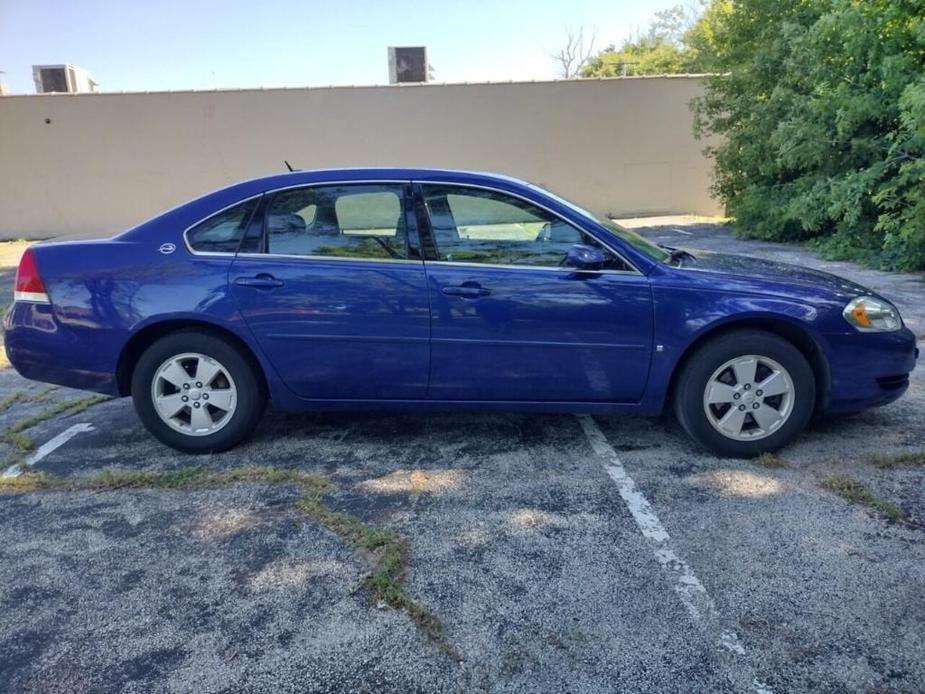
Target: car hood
(747, 267)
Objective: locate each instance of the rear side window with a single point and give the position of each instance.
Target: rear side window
(221, 233)
(345, 221)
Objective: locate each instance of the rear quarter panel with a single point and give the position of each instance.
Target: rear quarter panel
(103, 292)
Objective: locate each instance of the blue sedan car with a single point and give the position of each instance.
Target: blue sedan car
(428, 289)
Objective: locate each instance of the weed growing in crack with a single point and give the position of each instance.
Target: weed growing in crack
(852, 490)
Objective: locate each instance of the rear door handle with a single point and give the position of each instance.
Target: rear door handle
(466, 291)
(261, 281)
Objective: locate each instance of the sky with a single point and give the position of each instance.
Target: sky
(153, 45)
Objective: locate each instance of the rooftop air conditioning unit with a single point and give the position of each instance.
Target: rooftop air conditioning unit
(66, 79)
(408, 64)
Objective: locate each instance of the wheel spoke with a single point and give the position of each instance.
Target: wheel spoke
(767, 417)
(200, 418)
(222, 399)
(719, 393)
(732, 421)
(206, 371)
(175, 374)
(775, 384)
(169, 405)
(745, 370)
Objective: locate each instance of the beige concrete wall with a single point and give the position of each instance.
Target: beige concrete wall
(94, 164)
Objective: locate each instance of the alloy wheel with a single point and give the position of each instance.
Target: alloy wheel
(194, 394)
(749, 397)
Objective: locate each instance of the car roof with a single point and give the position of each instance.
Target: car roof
(381, 173)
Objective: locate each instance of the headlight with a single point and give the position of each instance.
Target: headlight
(870, 315)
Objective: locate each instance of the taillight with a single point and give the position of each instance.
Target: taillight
(29, 285)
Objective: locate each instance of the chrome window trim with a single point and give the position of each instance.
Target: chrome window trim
(544, 268)
(218, 254)
(403, 261)
(285, 256)
(315, 184)
(634, 271)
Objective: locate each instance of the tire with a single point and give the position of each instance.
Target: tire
(714, 387)
(228, 405)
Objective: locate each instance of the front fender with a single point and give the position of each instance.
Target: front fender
(686, 317)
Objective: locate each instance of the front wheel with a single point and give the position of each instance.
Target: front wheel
(196, 392)
(745, 393)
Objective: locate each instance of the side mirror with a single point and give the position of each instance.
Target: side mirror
(585, 258)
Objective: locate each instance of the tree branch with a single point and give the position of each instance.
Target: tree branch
(574, 55)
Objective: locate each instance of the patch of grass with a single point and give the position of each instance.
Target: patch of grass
(852, 490)
(11, 400)
(42, 394)
(910, 458)
(185, 478)
(18, 440)
(274, 475)
(390, 564)
(389, 551)
(29, 482)
(769, 460)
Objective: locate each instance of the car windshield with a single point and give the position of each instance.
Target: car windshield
(656, 253)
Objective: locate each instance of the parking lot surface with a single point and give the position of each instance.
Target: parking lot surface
(557, 553)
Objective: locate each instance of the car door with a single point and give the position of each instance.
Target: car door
(510, 322)
(335, 293)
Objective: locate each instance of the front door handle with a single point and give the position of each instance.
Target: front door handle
(261, 281)
(468, 291)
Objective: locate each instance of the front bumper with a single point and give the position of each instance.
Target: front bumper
(868, 369)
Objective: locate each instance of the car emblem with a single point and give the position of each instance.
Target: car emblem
(167, 248)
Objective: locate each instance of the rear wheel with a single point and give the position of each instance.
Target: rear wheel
(745, 393)
(196, 392)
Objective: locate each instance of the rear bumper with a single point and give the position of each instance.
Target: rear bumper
(869, 370)
(41, 349)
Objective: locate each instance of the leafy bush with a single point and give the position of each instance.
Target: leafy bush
(819, 109)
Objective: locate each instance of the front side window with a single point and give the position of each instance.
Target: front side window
(346, 221)
(222, 232)
(487, 227)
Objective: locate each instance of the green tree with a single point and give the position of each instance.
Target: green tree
(700, 40)
(678, 40)
(643, 56)
(819, 116)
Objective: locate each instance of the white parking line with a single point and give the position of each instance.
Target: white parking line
(690, 590)
(681, 231)
(48, 447)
